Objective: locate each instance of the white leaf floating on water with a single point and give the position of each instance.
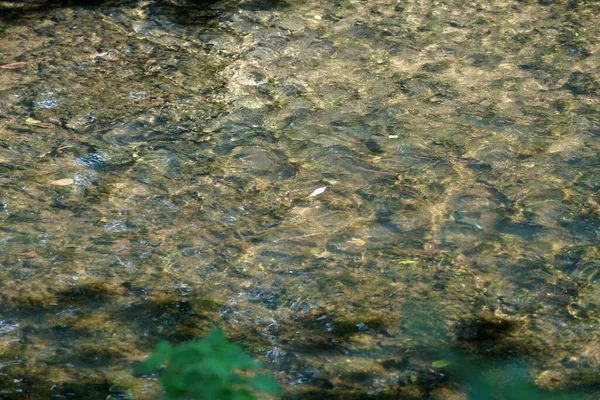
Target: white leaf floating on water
(318, 191)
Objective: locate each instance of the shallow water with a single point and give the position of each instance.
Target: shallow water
(156, 167)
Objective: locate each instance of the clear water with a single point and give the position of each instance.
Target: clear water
(157, 162)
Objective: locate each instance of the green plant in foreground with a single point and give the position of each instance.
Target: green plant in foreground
(211, 369)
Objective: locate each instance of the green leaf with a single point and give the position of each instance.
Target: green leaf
(208, 370)
(440, 364)
(164, 348)
(156, 360)
(266, 384)
(215, 338)
(242, 395)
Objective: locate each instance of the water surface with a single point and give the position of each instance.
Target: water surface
(156, 167)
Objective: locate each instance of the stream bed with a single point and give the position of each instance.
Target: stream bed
(377, 199)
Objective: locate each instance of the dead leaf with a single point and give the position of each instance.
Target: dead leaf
(106, 55)
(17, 65)
(39, 124)
(63, 182)
(28, 255)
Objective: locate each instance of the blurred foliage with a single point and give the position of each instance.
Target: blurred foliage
(210, 369)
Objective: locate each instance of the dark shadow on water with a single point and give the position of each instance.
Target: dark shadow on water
(507, 379)
(21, 11)
(257, 5)
(481, 358)
(448, 372)
(24, 10)
(36, 387)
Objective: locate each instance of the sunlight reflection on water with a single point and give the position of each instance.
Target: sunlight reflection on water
(386, 181)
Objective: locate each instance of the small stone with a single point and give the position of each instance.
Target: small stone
(549, 379)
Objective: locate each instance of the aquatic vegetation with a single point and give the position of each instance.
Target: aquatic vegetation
(210, 369)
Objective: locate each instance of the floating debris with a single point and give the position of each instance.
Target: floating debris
(39, 124)
(440, 364)
(318, 191)
(16, 65)
(62, 182)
